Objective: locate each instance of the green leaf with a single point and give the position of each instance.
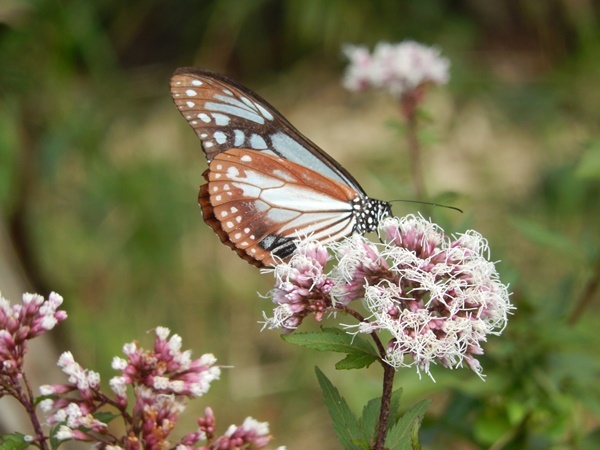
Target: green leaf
(54, 443)
(331, 339)
(14, 441)
(549, 239)
(404, 434)
(360, 352)
(370, 418)
(370, 415)
(395, 414)
(105, 416)
(355, 361)
(344, 423)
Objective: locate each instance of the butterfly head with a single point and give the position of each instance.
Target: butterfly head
(369, 213)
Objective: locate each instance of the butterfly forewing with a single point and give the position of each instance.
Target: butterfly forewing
(225, 114)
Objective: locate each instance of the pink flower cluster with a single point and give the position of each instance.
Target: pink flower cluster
(301, 287)
(21, 322)
(162, 380)
(398, 68)
(437, 296)
(165, 369)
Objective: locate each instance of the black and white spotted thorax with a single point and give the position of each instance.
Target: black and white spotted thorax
(369, 213)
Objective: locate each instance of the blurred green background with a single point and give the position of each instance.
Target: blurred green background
(99, 177)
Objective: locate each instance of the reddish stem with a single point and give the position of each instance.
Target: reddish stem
(388, 382)
(28, 401)
(409, 107)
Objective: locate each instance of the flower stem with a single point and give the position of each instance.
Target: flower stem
(27, 400)
(388, 382)
(384, 412)
(409, 108)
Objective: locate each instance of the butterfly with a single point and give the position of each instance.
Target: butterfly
(267, 186)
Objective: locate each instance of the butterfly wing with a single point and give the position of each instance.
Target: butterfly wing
(260, 204)
(225, 115)
(267, 184)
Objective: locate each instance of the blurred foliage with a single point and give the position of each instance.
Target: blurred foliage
(99, 175)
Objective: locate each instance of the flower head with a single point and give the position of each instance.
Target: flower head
(440, 298)
(22, 322)
(166, 368)
(302, 287)
(399, 68)
(437, 296)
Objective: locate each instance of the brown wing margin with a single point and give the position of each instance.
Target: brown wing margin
(210, 219)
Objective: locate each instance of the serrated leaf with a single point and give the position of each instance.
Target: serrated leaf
(331, 339)
(355, 361)
(344, 423)
(404, 434)
(370, 417)
(14, 441)
(395, 408)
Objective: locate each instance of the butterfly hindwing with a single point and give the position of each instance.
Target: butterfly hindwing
(260, 204)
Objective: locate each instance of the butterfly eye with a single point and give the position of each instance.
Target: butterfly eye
(267, 186)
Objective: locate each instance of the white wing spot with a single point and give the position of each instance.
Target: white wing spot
(238, 219)
(196, 83)
(233, 210)
(233, 173)
(257, 142)
(248, 102)
(219, 166)
(215, 188)
(208, 144)
(253, 250)
(230, 194)
(221, 119)
(217, 176)
(226, 187)
(220, 137)
(246, 230)
(190, 104)
(237, 235)
(218, 198)
(227, 91)
(191, 93)
(266, 114)
(252, 237)
(246, 158)
(203, 135)
(204, 117)
(239, 137)
(244, 244)
(194, 122)
(229, 224)
(224, 213)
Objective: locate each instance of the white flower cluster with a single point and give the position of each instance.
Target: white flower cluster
(399, 68)
(437, 296)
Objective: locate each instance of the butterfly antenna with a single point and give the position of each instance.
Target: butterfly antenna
(429, 203)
